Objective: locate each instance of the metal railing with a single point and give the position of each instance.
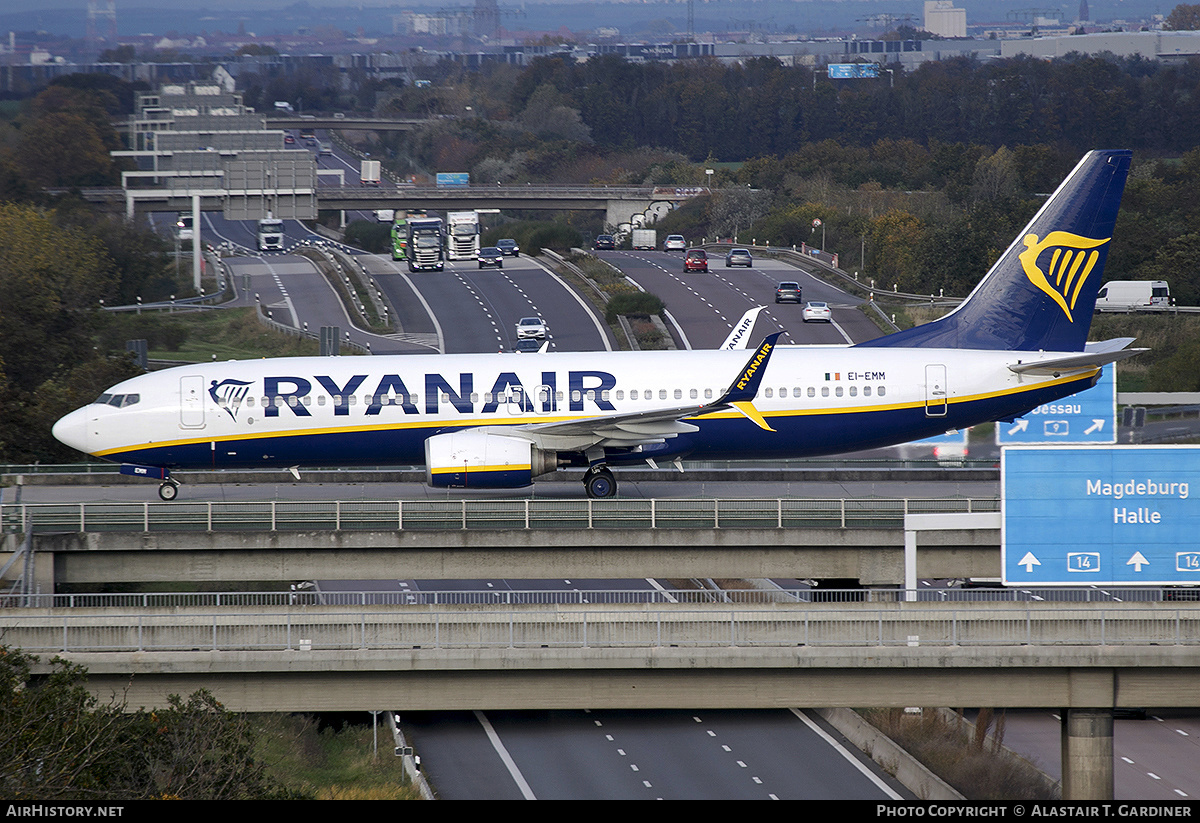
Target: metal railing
(608, 628)
(594, 597)
(797, 465)
(440, 515)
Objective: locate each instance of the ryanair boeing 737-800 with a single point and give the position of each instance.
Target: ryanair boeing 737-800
(499, 420)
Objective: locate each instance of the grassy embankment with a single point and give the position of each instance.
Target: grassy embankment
(329, 764)
(198, 336)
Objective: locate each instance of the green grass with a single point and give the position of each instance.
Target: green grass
(222, 334)
(330, 764)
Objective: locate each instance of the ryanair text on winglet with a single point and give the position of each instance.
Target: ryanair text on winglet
(763, 351)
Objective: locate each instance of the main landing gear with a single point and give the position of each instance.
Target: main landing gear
(169, 490)
(599, 482)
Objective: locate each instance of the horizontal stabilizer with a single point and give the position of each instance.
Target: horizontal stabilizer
(1097, 355)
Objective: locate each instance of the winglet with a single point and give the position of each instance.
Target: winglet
(740, 336)
(744, 389)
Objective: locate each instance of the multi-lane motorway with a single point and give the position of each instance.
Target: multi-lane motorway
(706, 305)
(621, 755)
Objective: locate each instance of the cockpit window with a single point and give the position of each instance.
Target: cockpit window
(118, 401)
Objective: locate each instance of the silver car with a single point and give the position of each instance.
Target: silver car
(739, 257)
(531, 327)
(674, 242)
(817, 312)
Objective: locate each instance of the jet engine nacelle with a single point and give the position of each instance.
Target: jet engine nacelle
(482, 459)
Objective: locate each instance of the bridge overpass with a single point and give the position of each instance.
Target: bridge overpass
(864, 539)
(348, 122)
(1081, 659)
(620, 204)
(302, 653)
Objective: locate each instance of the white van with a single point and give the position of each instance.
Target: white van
(1133, 294)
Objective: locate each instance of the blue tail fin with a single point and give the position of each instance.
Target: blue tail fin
(1040, 295)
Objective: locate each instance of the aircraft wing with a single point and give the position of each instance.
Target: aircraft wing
(1093, 357)
(656, 425)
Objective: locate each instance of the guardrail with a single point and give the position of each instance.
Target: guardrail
(310, 597)
(440, 515)
(717, 627)
(797, 464)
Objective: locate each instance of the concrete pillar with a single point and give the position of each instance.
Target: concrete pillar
(1087, 754)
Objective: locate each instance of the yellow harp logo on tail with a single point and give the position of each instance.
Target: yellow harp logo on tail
(1072, 258)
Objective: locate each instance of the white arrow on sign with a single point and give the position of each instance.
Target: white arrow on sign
(1021, 426)
(1137, 561)
(1029, 561)
(1097, 425)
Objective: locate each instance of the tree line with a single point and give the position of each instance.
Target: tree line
(61, 257)
(58, 742)
(762, 107)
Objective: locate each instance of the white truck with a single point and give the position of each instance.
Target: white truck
(462, 235)
(270, 234)
(1124, 295)
(370, 173)
(645, 239)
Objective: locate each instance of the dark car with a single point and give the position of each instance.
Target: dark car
(508, 247)
(788, 292)
(528, 344)
(491, 256)
(695, 260)
(739, 257)
(605, 241)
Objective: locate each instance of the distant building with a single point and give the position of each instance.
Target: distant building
(1151, 45)
(942, 19)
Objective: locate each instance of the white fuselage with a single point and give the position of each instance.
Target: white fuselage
(380, 410)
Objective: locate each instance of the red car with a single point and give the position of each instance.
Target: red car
(696, 260)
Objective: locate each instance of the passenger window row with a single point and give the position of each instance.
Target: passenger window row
(540, 397)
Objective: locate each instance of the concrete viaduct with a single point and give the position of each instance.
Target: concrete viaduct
(1080, 659)
(1084, 659)
(622, 206)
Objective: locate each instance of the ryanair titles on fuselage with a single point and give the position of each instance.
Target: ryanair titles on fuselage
(280, 391)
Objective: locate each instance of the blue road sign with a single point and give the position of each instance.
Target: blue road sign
(850, 71)
(1088, 515)
(1087, 417)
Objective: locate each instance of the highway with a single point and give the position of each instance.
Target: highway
(625, 755)
(706, 305)
(476, 310)
(1154, 756)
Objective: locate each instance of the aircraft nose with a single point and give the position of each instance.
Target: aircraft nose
(72, 430)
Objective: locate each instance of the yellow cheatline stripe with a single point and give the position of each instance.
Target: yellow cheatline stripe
(470, 469)
(516, 421)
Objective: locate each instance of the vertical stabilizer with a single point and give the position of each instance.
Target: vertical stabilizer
(1039, 296)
